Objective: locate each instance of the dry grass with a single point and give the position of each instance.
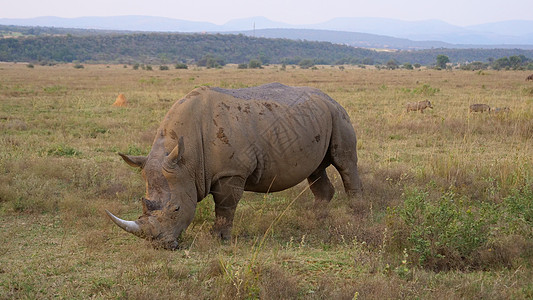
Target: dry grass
(426, 177)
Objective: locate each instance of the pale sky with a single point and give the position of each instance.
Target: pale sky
(296, 12)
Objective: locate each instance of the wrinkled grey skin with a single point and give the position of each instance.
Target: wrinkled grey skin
(479, 108)
(421, 105)
(223, 142)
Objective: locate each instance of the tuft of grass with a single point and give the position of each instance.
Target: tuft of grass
(55, 89)
(528, 91)
(64, 150)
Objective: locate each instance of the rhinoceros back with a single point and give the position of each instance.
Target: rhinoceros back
(277, 92)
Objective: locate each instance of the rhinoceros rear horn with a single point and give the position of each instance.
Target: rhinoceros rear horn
(175, 155)
(134, 161)
(129, 226)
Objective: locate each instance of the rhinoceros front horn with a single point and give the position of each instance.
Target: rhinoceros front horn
(129, 226)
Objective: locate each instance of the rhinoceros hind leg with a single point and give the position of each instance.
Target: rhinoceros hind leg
(320, 185)
(226, 193)
(343, 156)
(350, 179)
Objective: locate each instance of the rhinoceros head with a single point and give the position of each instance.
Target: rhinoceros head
(170, 201)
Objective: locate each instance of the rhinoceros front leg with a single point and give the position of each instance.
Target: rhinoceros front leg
(226, 193)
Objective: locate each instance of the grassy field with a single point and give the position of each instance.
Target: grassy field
(447, 209)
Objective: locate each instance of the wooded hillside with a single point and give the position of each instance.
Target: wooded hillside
(164, 48)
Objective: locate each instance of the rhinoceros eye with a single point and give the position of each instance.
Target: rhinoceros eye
(167, 170)
(177, 209)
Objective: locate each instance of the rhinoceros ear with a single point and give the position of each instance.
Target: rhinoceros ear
(177, 153)
(134, 161)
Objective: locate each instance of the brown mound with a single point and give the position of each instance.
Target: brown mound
(121, 101)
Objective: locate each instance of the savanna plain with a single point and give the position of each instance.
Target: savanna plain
(446, 211)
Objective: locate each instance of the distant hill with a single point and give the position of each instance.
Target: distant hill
(508, 32)
(43, 45)
(367, 40)
(130, 23)
(380, 32)
(354, 39)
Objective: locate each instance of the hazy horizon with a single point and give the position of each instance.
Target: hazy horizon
(297, 12)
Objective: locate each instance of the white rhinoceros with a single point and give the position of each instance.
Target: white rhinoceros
(223, 142)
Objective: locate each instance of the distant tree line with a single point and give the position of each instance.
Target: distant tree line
(214, 50)
(515, 62)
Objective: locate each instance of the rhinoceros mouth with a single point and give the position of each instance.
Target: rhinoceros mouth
(171, 246)
(162, 244)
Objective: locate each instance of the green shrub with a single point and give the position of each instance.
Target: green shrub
(407, 66)
(210, 61)
(426, 90)
(518, 207)
(181, 66)
(441, 234)
(254, 64)
(306, 63)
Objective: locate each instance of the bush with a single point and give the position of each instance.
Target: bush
(210, 61)
(519, 210)
(78, 66)
(392, 64)
(242, 66)
(254, 64)
(426, 90)
(181, 66)
(442, 234)
(306, 63)
(474, 66)
(163, 68)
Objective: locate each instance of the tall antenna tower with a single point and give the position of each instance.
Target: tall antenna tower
(254, 29)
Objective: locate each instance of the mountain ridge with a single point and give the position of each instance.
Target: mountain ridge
(419, 34)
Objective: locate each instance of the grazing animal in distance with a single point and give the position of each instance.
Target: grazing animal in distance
(223, 142)
(500, 110)
(530, 77)
(421, 105)
(478, 107)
